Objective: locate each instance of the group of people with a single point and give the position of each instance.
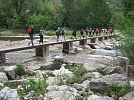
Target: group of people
(92, 32)
(61, 33)
(31, 34)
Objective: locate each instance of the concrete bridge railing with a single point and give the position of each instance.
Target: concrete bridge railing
(43, 49)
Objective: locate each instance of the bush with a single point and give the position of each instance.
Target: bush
(20, 70)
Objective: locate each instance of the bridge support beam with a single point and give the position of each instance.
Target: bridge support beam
(100, 38)
(2, 59)
(42, 51)
(83, 42)
(93, 40)
(105, 37)
(68, 46)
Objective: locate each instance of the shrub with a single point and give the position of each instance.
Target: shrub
(20, 70)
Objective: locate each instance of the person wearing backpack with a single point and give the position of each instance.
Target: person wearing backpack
(63, 33)
(74, 33)
(41, 34)
(31, 34)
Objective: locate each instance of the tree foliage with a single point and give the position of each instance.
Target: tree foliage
(53, 13)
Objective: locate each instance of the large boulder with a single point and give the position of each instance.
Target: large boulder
(98, 84)
(11, 71)
(63, 92)
(123, 62)
(9, 94)
(93, 65)
(114, 69)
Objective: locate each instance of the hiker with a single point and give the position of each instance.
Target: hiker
(74, 33)
(58, 34)
(97, 31)
(82, 33)
(110, 30)
(90, 31)
(31, 34)
(41, 34)
(86, 30)
(63, 33)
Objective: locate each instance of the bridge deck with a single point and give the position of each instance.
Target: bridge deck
(6, 50)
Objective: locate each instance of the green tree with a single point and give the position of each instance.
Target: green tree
(126, 44)
(92, 13)
(128, 5)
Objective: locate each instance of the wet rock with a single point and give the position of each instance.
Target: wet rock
(10, 94)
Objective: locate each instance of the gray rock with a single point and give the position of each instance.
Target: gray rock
(9, 94)
(98, 84)
(129, 96)
(116, 69)
(63, 92)
(3, 77)
(11, 71)
(95, 97)
(93, 65)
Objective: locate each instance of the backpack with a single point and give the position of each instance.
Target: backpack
(29, 30)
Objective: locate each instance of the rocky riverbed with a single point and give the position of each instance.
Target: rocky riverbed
(54, 69)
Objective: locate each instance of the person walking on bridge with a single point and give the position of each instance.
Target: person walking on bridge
(41, 34)
(63, 33)
(58, 34)
(31, 34)
(82, 33)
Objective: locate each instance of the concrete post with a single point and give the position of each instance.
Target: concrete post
(42, 51)
(83, 42)
(105, 37)
(100, 38)
(68, 46)
(123, 62)
(2, 59)
(93, 40)
(110, 36)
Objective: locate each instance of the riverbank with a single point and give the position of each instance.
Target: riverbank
(78, 76)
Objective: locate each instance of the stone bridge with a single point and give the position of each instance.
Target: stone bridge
(43, 49)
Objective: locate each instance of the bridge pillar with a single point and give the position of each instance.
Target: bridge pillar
(2, 59)
(68, 46)
(93, 40)
(83, 42)
(100, 38)
(110, 36)
(105, 37)
(42, 51)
